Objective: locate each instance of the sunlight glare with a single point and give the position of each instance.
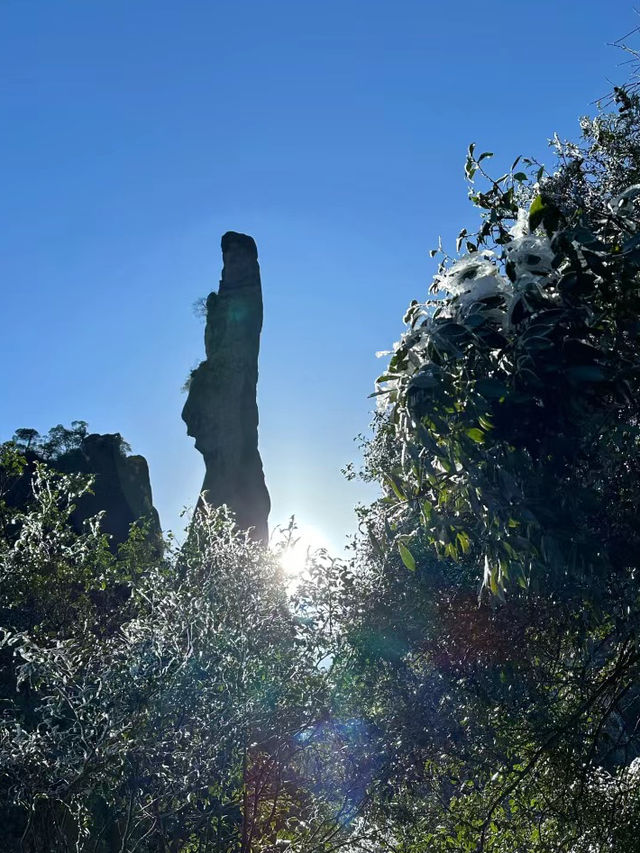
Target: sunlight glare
(307, 539)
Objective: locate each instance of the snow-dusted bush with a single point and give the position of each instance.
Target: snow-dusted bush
(196, 717)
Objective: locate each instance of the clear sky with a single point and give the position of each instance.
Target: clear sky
(133, 133)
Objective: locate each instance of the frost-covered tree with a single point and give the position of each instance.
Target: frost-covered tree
(498, 614)
(193, 713)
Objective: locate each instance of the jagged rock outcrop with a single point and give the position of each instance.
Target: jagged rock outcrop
(121, 488)
(221, 411)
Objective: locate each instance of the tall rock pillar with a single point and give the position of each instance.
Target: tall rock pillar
(221, 411)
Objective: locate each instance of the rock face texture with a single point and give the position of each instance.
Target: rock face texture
(221, 411)
(121, 488)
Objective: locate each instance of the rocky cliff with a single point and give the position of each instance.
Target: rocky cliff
(221, 411)
(121, 486)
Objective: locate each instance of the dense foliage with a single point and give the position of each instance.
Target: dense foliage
(468, 681)
(159, 704)
(503, 559)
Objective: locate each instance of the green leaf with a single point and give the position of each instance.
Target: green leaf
(407, 557)
(475, 434)
(536, 212)
(543, 213)
(396, 487)
(464, 541)
(470, 165)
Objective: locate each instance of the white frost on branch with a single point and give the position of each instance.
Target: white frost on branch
(472, 278)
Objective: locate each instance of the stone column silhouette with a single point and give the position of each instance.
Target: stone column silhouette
(221, 411)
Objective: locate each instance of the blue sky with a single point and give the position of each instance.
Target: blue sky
(135, 132)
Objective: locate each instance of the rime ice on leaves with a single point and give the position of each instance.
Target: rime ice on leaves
(472, 278)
